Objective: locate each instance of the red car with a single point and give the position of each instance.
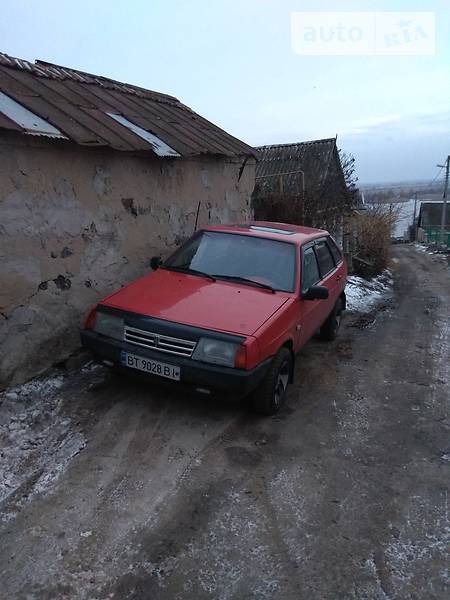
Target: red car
(228, 311)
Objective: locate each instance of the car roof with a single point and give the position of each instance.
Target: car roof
(284, 232)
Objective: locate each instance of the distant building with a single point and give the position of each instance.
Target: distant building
(430, 215)
(302, 183)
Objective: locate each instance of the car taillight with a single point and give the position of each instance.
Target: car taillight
(90, 319)
(240, 360)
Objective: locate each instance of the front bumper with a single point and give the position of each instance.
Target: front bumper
(194, 373)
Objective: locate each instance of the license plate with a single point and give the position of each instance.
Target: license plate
(154, 367)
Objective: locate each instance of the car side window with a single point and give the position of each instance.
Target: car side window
(324, 258)
(334, 251)
(310, 269)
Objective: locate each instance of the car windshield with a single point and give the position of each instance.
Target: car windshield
(229, 255)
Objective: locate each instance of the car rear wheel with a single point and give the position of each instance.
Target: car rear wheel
(330, 328)
(271, 393)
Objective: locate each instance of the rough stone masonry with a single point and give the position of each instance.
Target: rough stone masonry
(76, 224)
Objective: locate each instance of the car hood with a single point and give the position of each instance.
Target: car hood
(197, 301)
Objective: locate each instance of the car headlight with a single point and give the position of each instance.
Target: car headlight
(216, 352)
(109, 325)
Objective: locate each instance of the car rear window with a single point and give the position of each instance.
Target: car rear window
(324, 258)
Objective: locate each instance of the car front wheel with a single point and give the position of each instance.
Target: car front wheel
(271, 393)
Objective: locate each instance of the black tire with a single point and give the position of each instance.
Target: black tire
(330, 328)
(271, 393)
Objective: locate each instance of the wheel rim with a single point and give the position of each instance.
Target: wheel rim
(282, 383)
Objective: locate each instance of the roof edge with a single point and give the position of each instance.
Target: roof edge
(292, 144)
(42, 68)
(44, 63)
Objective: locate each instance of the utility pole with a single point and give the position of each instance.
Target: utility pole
(414, 228)
(444, 199)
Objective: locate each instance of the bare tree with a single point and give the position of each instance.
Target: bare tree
(351, 179)
(374, 229)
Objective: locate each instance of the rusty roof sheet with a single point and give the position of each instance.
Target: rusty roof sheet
(303, 163)
(80, 104)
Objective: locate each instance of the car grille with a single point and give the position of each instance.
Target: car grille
(156, 341)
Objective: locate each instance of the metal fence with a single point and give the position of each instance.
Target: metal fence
(433, 235)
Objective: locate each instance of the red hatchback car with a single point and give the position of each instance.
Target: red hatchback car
(228, 311)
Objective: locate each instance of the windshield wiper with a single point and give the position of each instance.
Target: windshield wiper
(246, 281)
(189, 271)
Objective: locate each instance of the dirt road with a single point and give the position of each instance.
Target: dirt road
(145, 495)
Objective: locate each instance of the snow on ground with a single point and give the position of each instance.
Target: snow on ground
(363, 294)
(431, 250)
(37, 441)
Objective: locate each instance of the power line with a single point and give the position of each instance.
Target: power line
(437, 175)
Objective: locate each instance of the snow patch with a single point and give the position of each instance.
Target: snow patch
(70, 447)
(37, 441)
(36, 387)
(363, 294)
(443, 254)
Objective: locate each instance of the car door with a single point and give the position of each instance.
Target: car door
(341, 272)
(310, 310)
(328, 276)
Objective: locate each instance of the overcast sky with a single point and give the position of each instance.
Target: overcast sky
(233, 62)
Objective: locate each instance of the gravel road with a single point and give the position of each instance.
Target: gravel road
(114, 491)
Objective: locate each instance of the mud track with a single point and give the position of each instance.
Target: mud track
(343, 495)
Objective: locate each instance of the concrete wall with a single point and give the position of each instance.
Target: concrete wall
(76, 224)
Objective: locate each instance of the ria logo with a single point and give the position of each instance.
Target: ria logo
(363, 33)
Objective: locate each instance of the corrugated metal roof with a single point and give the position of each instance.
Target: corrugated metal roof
(304, 163)
(25, 119)
(159, 147)
(77, 104)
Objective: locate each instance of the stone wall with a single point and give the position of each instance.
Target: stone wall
(76, 224)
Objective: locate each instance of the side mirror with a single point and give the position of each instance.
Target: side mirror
(316, 292)
(155, 262)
